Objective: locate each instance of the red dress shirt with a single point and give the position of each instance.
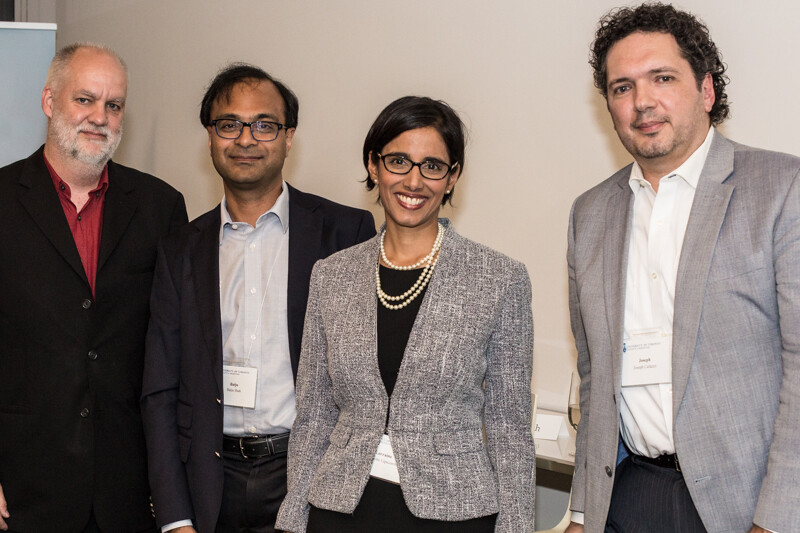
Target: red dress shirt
(87, 225)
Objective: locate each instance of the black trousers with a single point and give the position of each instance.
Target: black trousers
(252, 493)
(92, 527)
(382, 509)
(651, 499)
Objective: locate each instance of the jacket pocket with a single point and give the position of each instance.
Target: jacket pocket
(456, 442)
(736, 266)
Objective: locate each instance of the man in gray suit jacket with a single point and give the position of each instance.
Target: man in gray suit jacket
(684, 300)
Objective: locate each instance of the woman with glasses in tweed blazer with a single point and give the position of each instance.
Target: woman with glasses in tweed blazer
(415, 344)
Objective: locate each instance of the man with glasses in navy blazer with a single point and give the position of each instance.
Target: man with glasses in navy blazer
(229, 301)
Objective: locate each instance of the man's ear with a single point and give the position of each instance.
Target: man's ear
(709, 96)
(47, 101)
(289, 137)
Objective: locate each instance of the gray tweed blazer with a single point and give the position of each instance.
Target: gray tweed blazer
(467, 367)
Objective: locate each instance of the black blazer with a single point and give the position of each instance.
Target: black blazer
(70, 363)
(182, 391)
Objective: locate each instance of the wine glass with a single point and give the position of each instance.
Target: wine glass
(574, 406)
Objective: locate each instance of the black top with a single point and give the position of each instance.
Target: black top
(394, 326)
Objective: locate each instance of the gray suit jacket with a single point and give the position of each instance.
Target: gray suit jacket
(736, 340)
(474, 327)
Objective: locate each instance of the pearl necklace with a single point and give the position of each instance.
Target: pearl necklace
(427, 259)
(416, 289)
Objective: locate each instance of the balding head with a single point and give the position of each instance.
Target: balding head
(59, 66)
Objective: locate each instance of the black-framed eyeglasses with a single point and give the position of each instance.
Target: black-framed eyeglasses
(432, 169)
(261, 130)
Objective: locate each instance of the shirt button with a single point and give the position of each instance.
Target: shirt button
(86, 304)
(253, 246)
(84, 412)
(609, 472)
(252, 429)
(79, 217)
(234, 226)
(92, 355)
(253, 290)
(654, 275)
(253, 337)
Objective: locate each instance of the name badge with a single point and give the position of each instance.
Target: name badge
(239, 383)
(384, 467)
(647, 359)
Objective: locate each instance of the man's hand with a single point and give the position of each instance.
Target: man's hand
(3, 510)
(574, 527)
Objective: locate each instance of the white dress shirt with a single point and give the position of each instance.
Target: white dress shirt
(657, 232)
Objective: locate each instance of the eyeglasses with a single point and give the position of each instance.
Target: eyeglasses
(261, 130)
(433, 169)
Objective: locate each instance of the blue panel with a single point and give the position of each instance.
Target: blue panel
(25, 55)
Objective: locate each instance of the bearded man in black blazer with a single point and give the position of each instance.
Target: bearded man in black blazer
(229, 301)
(78, 234)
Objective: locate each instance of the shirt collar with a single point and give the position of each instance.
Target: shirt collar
(280, 209)
(62, 187)
(689, 171)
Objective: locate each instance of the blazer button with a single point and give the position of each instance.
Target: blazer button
(219, 401)
(92, 355)
(84, 412)
(217, 454)
(86, 304)
(609, 471)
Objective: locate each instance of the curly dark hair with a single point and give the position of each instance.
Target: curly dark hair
(690, 33)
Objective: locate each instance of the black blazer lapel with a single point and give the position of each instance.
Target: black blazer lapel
(305, 236)
(40, 200)
(204, 264)
(120, 205)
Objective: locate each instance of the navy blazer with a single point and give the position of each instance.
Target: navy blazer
(71, 362)
(182, 393)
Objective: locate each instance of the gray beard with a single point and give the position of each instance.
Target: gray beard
(67, 140)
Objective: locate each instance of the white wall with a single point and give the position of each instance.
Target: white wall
(516, 70)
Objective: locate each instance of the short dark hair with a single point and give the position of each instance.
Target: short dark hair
(410, 113)
(690, 33)
(236, 73)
